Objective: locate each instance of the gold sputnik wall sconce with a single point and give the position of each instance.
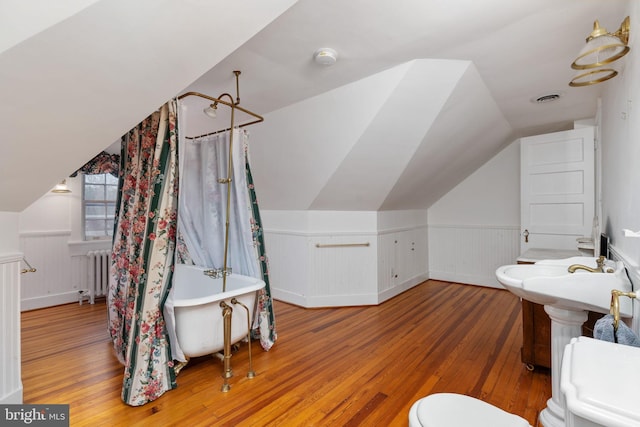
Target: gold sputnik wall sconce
(602, 49)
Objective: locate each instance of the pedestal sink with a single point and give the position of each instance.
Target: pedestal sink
(567, 297)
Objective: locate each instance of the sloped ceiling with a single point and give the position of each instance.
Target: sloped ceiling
(423, 93)
(72, 87)
(397, 140)
(454, 83)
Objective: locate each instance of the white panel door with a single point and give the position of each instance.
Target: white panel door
(557, 189)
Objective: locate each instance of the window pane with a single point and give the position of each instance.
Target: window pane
(111, 210)
(94, 211)
(111, 180)
(112, 192)
(94, 226)
(94, 192)
(94, 179)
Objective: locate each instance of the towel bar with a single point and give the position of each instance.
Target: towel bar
(340, 245)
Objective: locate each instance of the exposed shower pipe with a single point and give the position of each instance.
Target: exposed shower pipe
(234, 105)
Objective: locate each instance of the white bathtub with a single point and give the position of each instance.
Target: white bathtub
(198, 317)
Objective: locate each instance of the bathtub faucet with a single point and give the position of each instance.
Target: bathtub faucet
(217, 273)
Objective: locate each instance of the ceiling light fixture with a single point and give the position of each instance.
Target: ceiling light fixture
(211, 110)
(61, 188)
(602, 48)
(325, 56)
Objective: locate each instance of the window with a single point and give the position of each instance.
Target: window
(100, 193)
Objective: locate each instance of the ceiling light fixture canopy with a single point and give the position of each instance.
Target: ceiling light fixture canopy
(602, 48)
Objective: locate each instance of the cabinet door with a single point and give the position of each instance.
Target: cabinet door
(557, 189)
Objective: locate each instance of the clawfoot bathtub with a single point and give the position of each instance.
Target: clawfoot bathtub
(198, 313)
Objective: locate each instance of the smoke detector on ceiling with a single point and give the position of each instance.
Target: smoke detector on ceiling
(325, 56)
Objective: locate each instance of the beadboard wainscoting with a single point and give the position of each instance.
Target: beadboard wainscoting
(61, 268)
(345, 269)
(10, 356)
(471, 254)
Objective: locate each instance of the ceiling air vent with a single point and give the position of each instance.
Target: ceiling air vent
(543, 99)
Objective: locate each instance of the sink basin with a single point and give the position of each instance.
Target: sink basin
(566, 297)
(550, 283)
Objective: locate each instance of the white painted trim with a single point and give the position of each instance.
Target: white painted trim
(341, 300)
(10, 257)
(49, 300)
(346, 300)
(13, 398)
(288, 297)
(401, 229)
(319, 233)
(387, 294)
(40, 233)
(467, 279)
(479, 226)
(81, 247)
(349, 233)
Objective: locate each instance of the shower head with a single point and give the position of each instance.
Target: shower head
(211, 110)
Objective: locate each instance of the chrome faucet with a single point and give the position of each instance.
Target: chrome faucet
(599, 269)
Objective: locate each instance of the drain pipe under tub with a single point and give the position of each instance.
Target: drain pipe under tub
(227, 373)
(251, 373)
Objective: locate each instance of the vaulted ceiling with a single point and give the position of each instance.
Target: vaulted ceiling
(423, 92)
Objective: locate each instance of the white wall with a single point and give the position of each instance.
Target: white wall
(474, 228)
(51, 240)
(621, 149)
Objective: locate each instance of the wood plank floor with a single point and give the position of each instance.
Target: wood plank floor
(330, 367)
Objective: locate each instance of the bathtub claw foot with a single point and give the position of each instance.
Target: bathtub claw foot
(178, 366)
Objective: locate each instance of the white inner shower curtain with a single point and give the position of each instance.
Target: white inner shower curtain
(203, 203)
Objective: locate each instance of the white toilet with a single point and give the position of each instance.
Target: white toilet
(458, 410)
(610, 396)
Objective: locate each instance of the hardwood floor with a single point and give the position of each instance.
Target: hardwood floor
(330, 367)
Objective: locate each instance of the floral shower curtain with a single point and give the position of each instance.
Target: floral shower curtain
(265, 329)
(143, 254)
(102, 163)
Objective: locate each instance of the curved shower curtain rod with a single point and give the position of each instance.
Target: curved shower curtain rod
(233, 105)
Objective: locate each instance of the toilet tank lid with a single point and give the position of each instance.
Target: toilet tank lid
(600, 381)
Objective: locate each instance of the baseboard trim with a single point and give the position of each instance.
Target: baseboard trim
(320, 301)
(467, 279)
(48, 301)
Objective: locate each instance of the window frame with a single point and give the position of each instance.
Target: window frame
(106, 202)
